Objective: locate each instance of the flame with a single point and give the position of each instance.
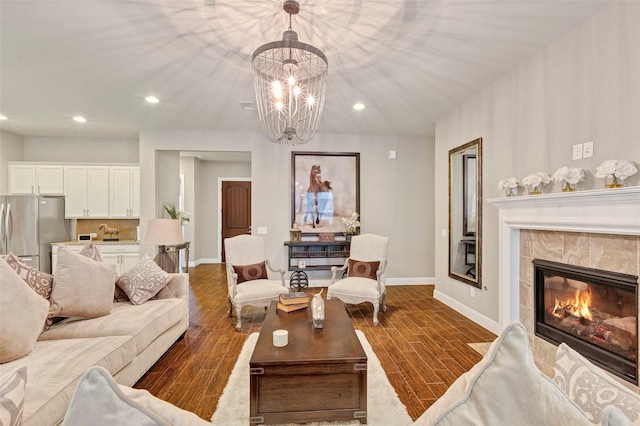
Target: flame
(579, 306)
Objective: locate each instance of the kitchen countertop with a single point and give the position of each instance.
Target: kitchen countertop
(75, 242)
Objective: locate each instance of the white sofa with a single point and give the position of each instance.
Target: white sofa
(126, 343)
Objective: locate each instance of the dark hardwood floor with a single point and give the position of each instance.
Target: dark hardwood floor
(421, 343)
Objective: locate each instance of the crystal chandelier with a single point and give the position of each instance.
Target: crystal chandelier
(290, 81)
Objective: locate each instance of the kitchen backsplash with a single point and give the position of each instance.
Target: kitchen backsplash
(126, 227)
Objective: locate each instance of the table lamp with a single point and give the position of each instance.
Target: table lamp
(163, 233)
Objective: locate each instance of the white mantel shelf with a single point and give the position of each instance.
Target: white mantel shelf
(615, 211)
(605, 211)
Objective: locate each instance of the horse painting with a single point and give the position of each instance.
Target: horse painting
(319, 201)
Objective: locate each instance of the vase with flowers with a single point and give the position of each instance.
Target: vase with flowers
(569, 177)
(510, 185)
(615, 172)
(351, 225)
(535, 181)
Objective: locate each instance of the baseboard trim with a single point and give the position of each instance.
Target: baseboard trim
(474, 316)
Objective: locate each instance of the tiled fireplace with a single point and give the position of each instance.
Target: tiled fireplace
(593, 229)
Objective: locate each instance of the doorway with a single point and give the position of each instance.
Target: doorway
(235, 209)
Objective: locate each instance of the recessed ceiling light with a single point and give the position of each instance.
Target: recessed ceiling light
(2, 117)
(152, 99)
(79, 119)
(359, 106)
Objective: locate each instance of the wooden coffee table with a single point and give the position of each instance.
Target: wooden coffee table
(321, 375)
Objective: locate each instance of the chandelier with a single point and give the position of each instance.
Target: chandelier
(290, 81)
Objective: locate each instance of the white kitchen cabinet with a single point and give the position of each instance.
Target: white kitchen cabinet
(87, 191)
(124, 192)
(36, 179)
(122, 256)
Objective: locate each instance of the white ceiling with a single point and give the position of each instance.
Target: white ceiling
(409, 61)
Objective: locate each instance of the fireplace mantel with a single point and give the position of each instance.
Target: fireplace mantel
(607, 211)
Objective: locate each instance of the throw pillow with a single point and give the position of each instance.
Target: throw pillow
(359, 268)
(257, 271)
(91, 251)
(591, 387)
(12, 386)
(143, 281)
(41, 282)
(504, 388)
(82, 287)
(22, 315)
(97, 400)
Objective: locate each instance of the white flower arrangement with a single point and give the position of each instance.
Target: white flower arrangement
(616, 169)
(508, 183)
(570, 176)
(351, 223)
(535, 180)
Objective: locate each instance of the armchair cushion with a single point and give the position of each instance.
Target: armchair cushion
(359, 268)
(350, 286)
(257, 271)
(258, 289)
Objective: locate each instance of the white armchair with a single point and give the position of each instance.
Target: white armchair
(247, 275)
(365, 281)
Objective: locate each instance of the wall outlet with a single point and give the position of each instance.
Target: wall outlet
(443, 232)
(393, 155)
(577, 151)
(93, 235)
(587, 150)
(472, 292)
(262, 230)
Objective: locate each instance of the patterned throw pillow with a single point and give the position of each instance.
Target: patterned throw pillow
(41, 282)
(91, 251)
(358, 268)
(257, 271)
(591, 387)
(143, 281)
(12, 386)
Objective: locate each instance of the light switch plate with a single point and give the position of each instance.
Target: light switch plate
(262, 230)
(587, 150)
(393, 154)
(577, 151)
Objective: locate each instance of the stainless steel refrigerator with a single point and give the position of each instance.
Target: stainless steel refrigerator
(28, 226)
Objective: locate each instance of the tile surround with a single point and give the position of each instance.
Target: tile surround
(618, 253)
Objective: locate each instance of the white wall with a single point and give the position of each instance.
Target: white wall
(87, 150)
(396, 195)
(11, 149)
(585, 86)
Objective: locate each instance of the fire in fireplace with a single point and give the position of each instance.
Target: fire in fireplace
(593, 311)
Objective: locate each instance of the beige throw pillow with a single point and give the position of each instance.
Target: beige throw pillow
(41, 282)
(81, 287)
(22, 315)
(143, 281)
(504, 388)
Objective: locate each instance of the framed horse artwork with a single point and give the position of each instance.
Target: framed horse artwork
(325, 188)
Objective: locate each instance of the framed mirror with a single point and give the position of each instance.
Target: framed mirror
(465, 213)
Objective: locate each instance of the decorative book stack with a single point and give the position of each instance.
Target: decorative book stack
(293, 301)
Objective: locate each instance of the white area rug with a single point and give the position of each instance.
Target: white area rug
(383, 405)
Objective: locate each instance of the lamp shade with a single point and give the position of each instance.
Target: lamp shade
(163, 232)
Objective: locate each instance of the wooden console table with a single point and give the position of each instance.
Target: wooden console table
(317, 255)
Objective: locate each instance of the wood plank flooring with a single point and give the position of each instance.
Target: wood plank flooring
(421, 344)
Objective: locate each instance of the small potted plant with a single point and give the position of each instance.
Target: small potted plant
(174, 213)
